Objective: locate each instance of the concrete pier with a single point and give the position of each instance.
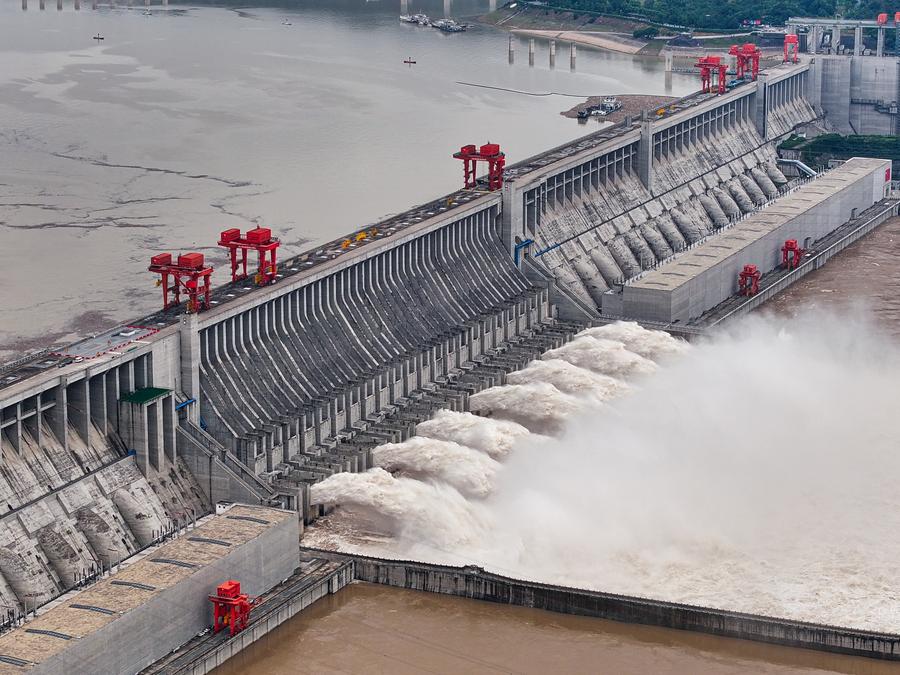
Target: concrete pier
(572, 54)
(552, 53)
(512, 50)
(531, 52)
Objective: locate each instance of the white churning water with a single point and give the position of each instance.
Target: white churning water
(753, 471)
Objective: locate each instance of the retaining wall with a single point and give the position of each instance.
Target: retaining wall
(474, 582)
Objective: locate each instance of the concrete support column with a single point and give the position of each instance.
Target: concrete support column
(97, 391)
(317, 422)
(759, 114)
(154, 418)
(57, 417)
(531, 52)
(552, 53)
(879, 46)
(332, 405)
(79, 408)
(812, 39)
(348, 407)
(835, 38)
(169, 425)
(858, 41)
(134, 432)
(189, 335)
(645, 155)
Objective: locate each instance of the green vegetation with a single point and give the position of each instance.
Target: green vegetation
(818, 150)
(723, 14)
(646, 33)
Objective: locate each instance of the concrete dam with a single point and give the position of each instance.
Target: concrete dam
(114, 441)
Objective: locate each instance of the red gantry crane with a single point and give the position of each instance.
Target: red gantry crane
(188, 274)
(748, 280)
(490, 153)
(231, 608)
(747, 60)
(791, 254)
(259, 239)
(791, 47)
(712, 74)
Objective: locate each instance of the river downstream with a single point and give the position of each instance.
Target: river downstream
(376, 629)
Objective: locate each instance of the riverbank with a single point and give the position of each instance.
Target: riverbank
(610, 33)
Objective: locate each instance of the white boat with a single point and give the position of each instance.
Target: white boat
(419, 19)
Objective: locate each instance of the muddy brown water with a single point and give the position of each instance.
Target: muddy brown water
(367, 628)
(862, 281)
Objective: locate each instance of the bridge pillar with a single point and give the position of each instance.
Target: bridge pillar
(857, 41)
(812, 39)
(645, 155)
(189, 334)
(879, 47)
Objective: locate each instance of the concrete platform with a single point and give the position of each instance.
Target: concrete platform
(704, 276)
(152, 605)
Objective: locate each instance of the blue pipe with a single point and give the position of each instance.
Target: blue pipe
(547, 250)
(519, 247)
(184, 404)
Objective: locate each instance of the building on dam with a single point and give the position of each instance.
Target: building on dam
(110, 443)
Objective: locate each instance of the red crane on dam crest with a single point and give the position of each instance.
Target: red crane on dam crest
(490, 153)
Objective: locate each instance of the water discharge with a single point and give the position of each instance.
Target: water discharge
(753, 471)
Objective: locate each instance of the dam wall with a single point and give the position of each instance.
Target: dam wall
(157, 602)
(476, 583)
(74, 497)
(695, 281)
(857, 95)
(601, 210)
(358, 340)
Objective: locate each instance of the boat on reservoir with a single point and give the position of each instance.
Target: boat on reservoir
(449, 26)
(419, 19)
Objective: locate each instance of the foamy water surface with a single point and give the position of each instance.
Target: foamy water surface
(754, 471)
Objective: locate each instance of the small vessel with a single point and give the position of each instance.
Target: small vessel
(409, 61)
(285, 22)
(449, 26)
(609, 105)
(419, 19)
(99, 37)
